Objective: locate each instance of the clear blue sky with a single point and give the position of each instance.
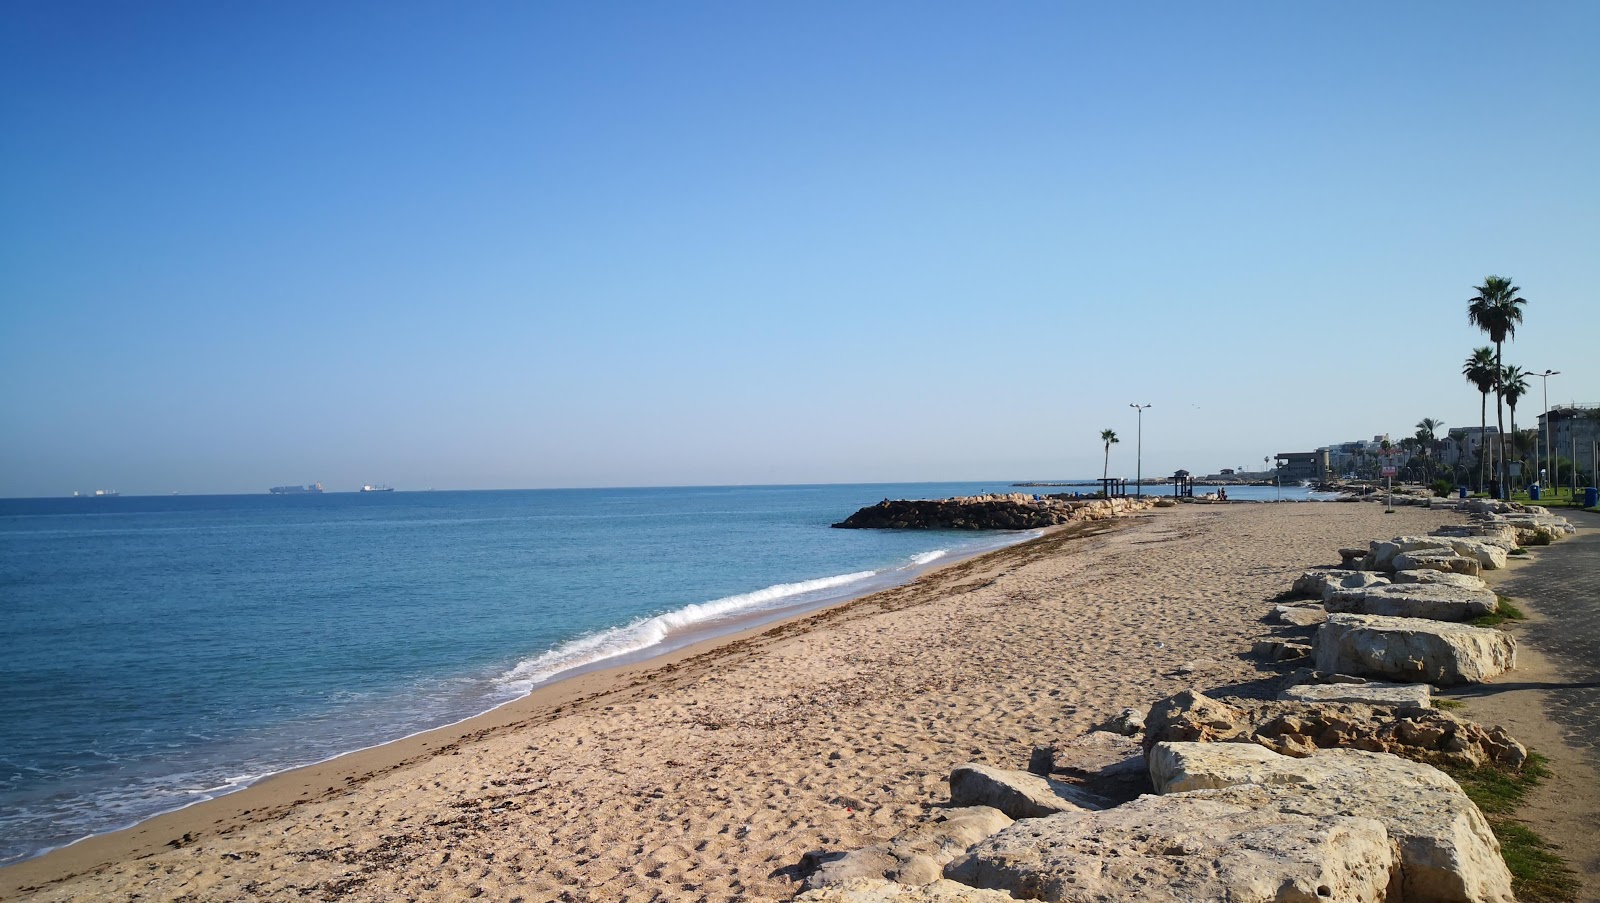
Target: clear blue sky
(540, 244)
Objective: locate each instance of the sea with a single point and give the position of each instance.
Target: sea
(160, 651)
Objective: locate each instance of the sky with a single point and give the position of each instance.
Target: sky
(506, 245)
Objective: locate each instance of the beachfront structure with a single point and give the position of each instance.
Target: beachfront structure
(1462, 444)
(1303, 465)
(1572, 427)
(1347, 457)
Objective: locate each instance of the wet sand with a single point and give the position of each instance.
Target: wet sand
(707, 774)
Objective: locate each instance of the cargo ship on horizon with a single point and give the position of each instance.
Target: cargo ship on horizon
(296, 490)
(378, 488)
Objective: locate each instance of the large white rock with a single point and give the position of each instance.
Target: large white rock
(1429, 559)
(1412, 649)
(1447, 578)
(1018, 794)
(1416, 600)
(1166, 849)
(1181, 767)
(878, 890)
(1448, 854)
(1405, 696)
(1385, 551)
(1489, 556)
(1302, 615)
(1499, 534)
(1321, 583)
(916, 855)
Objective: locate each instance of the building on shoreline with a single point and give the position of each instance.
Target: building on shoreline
(1311, 465)
(1462, 444)
(1574, 430)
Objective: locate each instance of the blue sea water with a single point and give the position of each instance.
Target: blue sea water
(159, 651)
(163, 650)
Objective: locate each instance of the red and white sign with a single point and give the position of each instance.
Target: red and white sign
(1390, 471)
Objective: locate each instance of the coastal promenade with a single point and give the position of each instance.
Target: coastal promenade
(1562, 583)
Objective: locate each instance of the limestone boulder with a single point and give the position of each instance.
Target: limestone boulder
(1127, 722)
(1355, 581)
(1384, 552)
(916, 855)
(1499, 534)
(1019, 794)
(1320, 582)
(879, 890)
(1412, 649)
(1375, 717)
(1165, 849)
(1374, 693)
(1447, 578)
(1352, 558)
(1305, 615)
(1440, 602)
(1447, 561)
(1489, 556)
(1181, 767)
(1280, 650)
(1191, 715)
(1447, 853)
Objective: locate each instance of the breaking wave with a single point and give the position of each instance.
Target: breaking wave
(647, 632)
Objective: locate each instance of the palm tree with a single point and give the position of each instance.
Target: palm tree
(1495, 309)
(1427, 435)
(1109, 437)
(1480, 371)
(1513, 385)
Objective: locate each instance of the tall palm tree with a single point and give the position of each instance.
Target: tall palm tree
(1109, 437)
(1513, 385)
(1479, 370)
(1496, 310)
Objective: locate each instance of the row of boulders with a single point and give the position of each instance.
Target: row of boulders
(1328, 793)
(1311, 714)
(1218, 814)
(1397, 608)
(1012, 511)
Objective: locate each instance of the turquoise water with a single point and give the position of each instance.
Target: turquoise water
(161, 651)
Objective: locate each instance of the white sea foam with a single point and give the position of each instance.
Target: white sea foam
(928, 557)
(647, 632)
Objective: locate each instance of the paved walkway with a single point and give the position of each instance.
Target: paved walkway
(1563, 583)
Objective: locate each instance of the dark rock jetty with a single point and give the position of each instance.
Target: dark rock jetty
(983, 512)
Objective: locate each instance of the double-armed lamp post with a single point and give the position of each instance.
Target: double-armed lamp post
(1138, 467)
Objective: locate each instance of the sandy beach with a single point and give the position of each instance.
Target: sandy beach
(706, 775)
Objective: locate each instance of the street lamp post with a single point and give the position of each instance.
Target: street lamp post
(1548, 451)
(1138, 467)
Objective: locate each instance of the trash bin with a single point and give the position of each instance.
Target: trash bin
(1463, 491)
(1591, 497)
(1533, 492)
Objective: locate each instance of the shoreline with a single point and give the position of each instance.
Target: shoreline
(220, 814)
(709, 775)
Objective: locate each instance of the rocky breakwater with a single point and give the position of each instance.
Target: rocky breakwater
(1013, 511)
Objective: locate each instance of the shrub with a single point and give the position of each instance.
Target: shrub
(1443, 488)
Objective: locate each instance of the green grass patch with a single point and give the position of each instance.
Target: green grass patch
(1519, 550)
(1499, 791)
(1505, 611)
(1538, 874)
(1448, 704)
